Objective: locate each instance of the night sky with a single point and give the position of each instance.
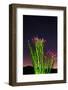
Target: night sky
(42, 27)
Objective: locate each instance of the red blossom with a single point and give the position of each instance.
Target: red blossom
(35, 39)
(51, 53)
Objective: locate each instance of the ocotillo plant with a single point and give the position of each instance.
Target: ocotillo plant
(42, 64)
(50, 58)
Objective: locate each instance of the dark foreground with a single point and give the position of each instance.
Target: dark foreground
(29, 70)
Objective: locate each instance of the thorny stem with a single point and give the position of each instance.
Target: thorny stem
(41, 65)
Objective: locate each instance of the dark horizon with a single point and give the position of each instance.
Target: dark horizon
(42, 27)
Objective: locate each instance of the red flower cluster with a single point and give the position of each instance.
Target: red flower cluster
(36, 39)
(51, 53)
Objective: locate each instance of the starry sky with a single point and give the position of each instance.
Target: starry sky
(41, 27)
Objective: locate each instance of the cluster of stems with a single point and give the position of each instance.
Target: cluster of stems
(41, 64)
